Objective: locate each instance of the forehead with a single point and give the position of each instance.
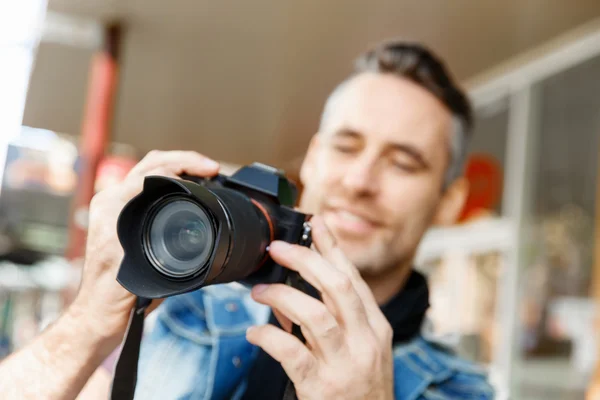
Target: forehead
(388, 108)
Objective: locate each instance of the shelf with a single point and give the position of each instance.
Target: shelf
(478, 237)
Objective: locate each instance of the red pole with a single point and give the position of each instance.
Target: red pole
(95, 134)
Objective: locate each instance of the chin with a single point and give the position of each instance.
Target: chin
(365, 259)
(371, 259)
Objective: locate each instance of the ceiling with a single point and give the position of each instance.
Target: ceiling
(244, 81)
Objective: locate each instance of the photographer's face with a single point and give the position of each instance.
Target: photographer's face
(376, 170)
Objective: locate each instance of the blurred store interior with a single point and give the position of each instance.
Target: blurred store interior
(246, 82)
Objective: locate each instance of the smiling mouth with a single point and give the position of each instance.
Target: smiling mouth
(349, 222)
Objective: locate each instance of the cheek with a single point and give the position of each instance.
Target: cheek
(319, 185)
(328, 173)
(410, 202)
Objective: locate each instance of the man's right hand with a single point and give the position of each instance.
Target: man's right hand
(102, 305)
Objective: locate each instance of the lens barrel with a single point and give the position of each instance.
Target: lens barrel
(178, 236)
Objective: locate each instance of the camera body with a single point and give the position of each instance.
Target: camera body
(179, 235)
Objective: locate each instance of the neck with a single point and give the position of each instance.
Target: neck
(387, 284)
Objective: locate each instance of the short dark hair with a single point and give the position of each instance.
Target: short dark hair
(415, 62)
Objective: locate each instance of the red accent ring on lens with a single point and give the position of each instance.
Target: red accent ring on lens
(263, 210)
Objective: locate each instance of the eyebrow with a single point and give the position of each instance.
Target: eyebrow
(411, 151)
(347, 132)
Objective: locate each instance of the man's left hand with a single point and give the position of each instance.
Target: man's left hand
(348, 349)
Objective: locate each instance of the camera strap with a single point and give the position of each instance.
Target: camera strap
(126, 368)
(125, 376)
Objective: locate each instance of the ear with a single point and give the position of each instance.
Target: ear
(452, 203)
(308, 164)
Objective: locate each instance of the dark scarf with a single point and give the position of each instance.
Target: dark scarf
(405, 312)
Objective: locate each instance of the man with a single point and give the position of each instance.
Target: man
(385, 165)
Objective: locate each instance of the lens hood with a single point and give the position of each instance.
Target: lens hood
(137, 273)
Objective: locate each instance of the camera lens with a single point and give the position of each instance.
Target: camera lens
(181, 239)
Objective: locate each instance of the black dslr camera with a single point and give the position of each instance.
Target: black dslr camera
(179, 235)
(182, 234)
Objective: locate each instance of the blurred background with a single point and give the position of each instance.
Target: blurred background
(87, 87)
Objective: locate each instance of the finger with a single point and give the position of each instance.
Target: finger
(176, 163)
(325, 243)
(330, 281)
(284, 321)
(321, 329)
(295, 358)
(135, 183)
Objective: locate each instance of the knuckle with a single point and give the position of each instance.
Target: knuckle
(302, 364)
(321, 317)
(153, 154)
(324, 325)
(158, 171)
(369, 363)
(330, 330)
(99, 198)
(369, 358)
(388, 332)
(354, 274)
(343, 284)
(385, 331)
(370, 344)
(293, 351)
(335, 384)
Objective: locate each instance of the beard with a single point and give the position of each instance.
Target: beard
(382, 253)
(373, 259)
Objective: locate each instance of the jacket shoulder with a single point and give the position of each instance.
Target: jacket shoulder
(426, 370)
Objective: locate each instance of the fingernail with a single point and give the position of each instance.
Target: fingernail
(261, 287)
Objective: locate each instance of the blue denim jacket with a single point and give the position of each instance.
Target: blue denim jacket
(197, 349)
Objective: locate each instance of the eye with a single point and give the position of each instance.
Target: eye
(405, 165)
(344, 147)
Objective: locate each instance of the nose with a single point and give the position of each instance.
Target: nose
(361, 177)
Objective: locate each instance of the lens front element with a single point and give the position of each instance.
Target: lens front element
(181, 238)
